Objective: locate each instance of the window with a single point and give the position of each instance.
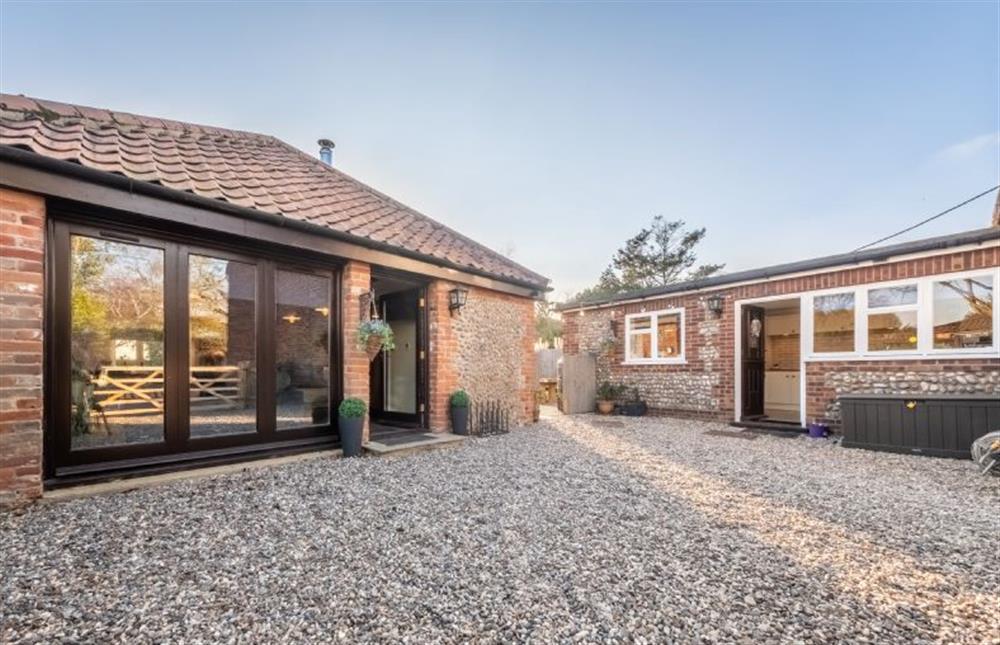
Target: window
(222, 297)
(302, 359)
(892, 318)
(656, 337)
(116, 363)
(963, 313)
(833, 323)
(933, 316)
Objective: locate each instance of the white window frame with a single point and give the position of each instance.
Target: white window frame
(654, 316)
(925, 320)
(917, 307)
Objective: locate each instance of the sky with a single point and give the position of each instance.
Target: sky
(553, 132)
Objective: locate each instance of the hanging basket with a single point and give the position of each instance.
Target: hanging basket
(373, 347)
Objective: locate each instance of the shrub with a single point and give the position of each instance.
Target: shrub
(352, 409)
(460, 399)
(608, 392)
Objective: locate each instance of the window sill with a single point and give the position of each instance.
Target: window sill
(657, 361)
(903, 356)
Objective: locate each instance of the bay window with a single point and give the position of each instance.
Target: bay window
(656, 337)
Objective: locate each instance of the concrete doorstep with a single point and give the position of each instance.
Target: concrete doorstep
(419, 443)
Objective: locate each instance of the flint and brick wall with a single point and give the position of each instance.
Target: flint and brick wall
(22, 239)
(704, 387)
(486, 348)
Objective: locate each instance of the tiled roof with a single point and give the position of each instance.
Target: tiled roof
(243, 168)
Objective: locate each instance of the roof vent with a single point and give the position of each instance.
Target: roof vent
(326, 151)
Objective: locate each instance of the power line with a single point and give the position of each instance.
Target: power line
(929, 219)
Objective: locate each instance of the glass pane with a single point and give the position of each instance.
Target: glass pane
(641, 345)
(223, 371)
(302, 337)
(635, 324)
(116, 310)
(668, 339)
(896, 331)
(963, 313)
(833, 323)
(893, 296)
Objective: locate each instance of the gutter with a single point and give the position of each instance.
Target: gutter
(129, 185)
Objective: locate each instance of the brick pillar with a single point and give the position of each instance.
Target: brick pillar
(357, 281)
(443, 347)
(22, 239)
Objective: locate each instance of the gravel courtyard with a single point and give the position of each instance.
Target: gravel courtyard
(575, 529)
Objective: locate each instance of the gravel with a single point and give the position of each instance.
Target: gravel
(566, 531)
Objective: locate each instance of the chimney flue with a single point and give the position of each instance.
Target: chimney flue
(326, 151)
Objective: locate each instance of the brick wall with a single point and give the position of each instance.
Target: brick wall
(704, 386)
(486, 348)
(22, 239)
(356, 281)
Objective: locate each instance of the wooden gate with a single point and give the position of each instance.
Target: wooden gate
(132, 390)
(577, 383)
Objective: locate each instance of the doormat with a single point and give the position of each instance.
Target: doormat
(731, 433)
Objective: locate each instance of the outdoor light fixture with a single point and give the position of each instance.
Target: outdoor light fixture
(291, 318)
(715, 304)
(457, 298)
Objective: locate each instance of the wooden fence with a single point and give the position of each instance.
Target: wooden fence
(132, 390)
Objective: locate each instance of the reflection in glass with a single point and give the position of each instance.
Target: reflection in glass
(963, 313)
(896, 331)
(223, 370)
(116, 310)
(892, 296)
(668, 339)
(302, 336)
(833, 323)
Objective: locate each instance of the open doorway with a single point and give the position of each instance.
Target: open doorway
(398, 376)
(771, 362)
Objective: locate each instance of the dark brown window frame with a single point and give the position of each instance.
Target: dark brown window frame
(178, 244)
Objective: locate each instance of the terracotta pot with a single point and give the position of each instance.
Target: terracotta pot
(373, 347)
(605, 407)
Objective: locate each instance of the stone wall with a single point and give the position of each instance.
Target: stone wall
(485, 348)
(827, 380)
(22, 240)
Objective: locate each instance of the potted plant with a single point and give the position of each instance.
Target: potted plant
(459, 404)
(606, 394)
(819, 428)
(375, 335)
(352, 424)
(634, 406)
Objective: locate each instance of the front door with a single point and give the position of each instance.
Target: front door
(396, 376)
(753, 362)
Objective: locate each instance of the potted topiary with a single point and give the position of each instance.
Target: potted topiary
(375, 335)
(459, 412)
(606, 394)
(352, 425)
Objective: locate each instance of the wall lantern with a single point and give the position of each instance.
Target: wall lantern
(457, 298)
(715, 304)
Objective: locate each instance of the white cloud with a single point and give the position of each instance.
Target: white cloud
(971, 147)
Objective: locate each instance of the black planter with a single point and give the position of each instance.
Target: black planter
(634, 408)
(460, 420)
(351, 432)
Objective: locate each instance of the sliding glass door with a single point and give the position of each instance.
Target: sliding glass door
(161, 349)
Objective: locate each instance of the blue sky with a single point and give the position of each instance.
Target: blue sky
(556, 131)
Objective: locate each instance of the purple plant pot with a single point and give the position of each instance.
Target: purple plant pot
(818, 430)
